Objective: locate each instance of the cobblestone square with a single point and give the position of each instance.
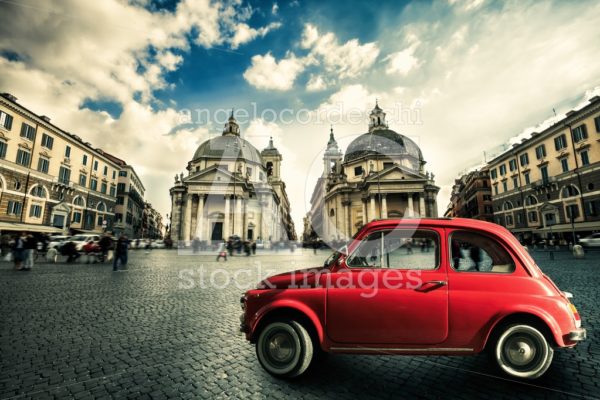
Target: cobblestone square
(82, 331)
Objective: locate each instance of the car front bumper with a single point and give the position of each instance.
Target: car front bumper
(577, 335)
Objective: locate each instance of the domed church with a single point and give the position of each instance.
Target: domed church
(231, 189)
(381, 175)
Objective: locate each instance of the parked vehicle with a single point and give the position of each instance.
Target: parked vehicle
(592, 240)
(81, 240)
(158, 244)
(415, 287)
(56, 241)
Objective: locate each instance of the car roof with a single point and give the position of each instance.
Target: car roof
(440, 222)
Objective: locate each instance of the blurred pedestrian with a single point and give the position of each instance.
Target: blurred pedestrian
(19, 251)
(30, 248)
(253, 247)
(121, 248)
(221, 252)
(105, 244)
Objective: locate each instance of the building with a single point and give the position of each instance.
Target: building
(471, 196)
(51, 180)
(152, 225)
(381, 175)
(549, 184)
(231, 189)
(130, 202)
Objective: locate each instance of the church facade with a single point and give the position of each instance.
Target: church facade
(231, 189)
(381, 175)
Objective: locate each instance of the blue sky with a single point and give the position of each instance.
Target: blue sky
(122, 74)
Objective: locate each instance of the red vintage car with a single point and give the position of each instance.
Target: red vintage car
(415, 286)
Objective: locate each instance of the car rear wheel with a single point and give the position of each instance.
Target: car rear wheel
(522, 351)
(284, 349)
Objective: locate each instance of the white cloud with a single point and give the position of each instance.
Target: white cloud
(402, 62)
(275, 9)
(346, 60)
(245, 33)
(316, 83)
(269, 74)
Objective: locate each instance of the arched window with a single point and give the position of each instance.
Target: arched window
(101, 207)
(569, 191)
(507, 206)
(78, 201)
(530, 200)
(38, 191)
(332, 213)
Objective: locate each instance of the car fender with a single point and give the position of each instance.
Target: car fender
(540, 313)
(297, 306)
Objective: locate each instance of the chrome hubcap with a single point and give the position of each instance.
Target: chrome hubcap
(520, 350)
(281, 348)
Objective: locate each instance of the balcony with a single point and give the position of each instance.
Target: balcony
(543, 182)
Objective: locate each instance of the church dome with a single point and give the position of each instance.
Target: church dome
(383, 142)
(230, 147)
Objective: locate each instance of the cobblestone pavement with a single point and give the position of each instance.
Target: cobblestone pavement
(82, 331)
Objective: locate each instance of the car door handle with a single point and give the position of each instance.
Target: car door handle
(430, 285)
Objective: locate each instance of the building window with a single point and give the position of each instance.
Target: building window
(560, 142)
(100, 220)
(64, 175)
(540, 151)
(515, 182)
(122, 173)
(78, 201)
(527, 179)
(570, 191)
(532, 216)
(597, 123)
(121, 187)
(493, 173)
(27, 131)
(105, 170)
(509, 220)
(35, 211)
(23, 157)
(504, 186)
(524, 158)
(93, 184)
(530, 200)
(68, 152)
(580, 133)
(120, 200)
(6, 120)
(544, 172)
(84, 161)
(512, 165)
(47, 141)
(358, 170)
(14, 208)
(3, 147)
(502, 169)
(82, 179)
(115, 174)
(96, 165)
(113, 191)
(585, 158)
(592, 207)
(103, 187)
(572, 211)
(564, 163)
(38, 191)
(76, 217)
(43, 165)
(495, 188)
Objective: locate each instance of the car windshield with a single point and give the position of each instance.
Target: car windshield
(79, 238)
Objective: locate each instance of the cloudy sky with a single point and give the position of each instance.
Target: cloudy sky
(150, 80)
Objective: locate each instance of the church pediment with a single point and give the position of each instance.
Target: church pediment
(213, 174)
(395, 173)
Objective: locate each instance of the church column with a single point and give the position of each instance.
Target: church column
(346, 204)
(188, 218)
(238, 217)
(200, 218)
(410, 208)
(422, 209)
(372, 213)
(384, 206)
(245, 220)
(226, 228)
(364, 211)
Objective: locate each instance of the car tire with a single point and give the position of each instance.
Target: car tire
(284, 349)
(523, 351)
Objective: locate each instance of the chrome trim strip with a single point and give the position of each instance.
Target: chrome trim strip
(379, 349)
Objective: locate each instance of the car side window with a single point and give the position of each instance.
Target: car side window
(401, 249)
(477, 252)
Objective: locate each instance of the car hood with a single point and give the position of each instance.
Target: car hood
(301, 278)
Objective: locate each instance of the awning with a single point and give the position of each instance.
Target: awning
(579, 226)
(20, 227)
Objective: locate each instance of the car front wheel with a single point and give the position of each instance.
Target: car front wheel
(284, 349)
(522, 351)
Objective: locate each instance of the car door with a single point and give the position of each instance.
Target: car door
(391, 290)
